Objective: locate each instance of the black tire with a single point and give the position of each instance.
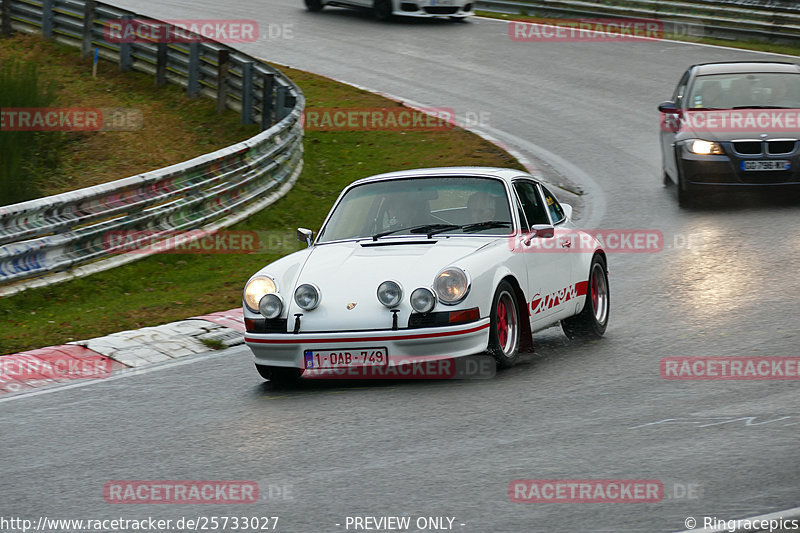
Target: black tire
(592, 321)
(314, 5)
(382, 9)
(279, 375)
(667, 180)
(686, 196)
(505, 331)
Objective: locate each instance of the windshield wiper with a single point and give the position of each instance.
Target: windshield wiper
(422, 228)
(489, 224)
(761, 107)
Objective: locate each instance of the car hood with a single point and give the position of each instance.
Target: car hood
(696, 128)
(348, 274)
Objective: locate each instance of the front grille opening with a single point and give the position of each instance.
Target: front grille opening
(747, 147)
(409, 6)
(441, 10)
(781, 147)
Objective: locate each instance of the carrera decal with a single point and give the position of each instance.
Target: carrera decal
(539, 303)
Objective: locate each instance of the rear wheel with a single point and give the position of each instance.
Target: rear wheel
(314, 5)
(592, 321)
(279, 374)
(504, 326)
(382, 9)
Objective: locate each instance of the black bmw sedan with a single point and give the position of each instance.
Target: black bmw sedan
(734, 124)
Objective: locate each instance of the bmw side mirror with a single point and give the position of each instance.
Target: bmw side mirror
(305, 235)
(668, 107)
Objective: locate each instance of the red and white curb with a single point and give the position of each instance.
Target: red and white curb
(102, 356)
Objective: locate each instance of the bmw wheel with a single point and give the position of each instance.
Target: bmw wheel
(382, 9)
(592, 321)
(504, 326)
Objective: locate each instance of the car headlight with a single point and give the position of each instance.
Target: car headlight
(451, 285)
(307, 296)
(701, 147)
(390, 293)
(271, 305)
(257, 288)
(423, 300)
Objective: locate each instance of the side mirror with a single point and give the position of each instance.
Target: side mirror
(567, 211)
(543, 231)
(305, 235)
(667, 107)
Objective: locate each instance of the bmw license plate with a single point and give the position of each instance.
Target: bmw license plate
(443, 2)
(346, 358)
(766, 164)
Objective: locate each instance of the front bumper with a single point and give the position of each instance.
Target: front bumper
(432, 8)
(286, 349)
(726, 170)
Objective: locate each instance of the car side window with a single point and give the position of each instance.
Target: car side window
(680, 90)
(555, 209)
(532, 205)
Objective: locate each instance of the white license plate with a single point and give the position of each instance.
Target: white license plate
(443, 2)
(771, 164)
(346, 358)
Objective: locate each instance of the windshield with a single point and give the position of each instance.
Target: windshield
(729, 91)
(442, 205)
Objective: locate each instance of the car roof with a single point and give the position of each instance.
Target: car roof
(505, 174)
(734, 67)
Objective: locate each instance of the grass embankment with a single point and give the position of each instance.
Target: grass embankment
(530, 16)
(175, 128)
(171, 287)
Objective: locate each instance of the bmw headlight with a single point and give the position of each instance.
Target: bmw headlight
(390, 293)
(423, 300)
(307, 296)
(271, 305)
(701, 147)
(451, 285)
(257, 288)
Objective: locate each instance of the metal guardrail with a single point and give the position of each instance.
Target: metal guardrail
(65, 235)
(773, 21)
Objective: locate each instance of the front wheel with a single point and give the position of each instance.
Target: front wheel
(279, 375)
(592, 321)
(382, 9)
(504, 326)
(314, 5)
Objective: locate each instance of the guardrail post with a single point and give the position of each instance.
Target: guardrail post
(267, 81)
(47, 18)
(88, 28)
(193, 81)
(5, 29)
(125, 47)
(247, 92)
(161, 64)
(280, 104)
(223, 61)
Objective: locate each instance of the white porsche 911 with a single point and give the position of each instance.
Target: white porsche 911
(385, 9)
(439, 262)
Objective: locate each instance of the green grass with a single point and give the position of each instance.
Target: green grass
(22, 151)
(170, 287)
(743, 44)
(174, 128)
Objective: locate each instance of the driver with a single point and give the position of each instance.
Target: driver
(481, 207)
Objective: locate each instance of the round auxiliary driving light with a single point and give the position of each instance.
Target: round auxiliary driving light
(390, 293)
(307, 296)
(423, 300)
(271, 306)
